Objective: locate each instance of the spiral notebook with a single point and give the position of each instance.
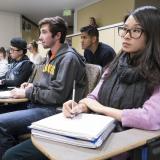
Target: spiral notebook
(85, 130)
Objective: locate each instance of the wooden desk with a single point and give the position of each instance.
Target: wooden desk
(13, 100)
(117, 143)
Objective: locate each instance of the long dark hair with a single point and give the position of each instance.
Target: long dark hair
(34, 45)
(149, 59)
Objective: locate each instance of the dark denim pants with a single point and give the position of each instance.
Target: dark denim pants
(13, 124)
(24, 151)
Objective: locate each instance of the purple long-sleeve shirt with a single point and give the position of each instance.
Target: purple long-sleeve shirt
(146, 117)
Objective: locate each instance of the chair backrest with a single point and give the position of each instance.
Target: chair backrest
(93, 73)
(36, 73)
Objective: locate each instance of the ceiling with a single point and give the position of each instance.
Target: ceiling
(38, 9)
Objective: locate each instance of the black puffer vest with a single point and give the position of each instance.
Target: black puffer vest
(125, 88)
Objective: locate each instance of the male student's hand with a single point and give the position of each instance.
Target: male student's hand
(26, 85)
(18, 93)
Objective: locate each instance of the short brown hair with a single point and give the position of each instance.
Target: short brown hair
(56, 24)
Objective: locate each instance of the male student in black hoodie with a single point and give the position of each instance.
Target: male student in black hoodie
(54, 87)
(21, 67)
(19, 71)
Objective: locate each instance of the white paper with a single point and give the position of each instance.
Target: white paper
(5, 94)
(84, 126)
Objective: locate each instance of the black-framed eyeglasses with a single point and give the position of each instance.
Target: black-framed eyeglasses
(134, 32)
(14, 50)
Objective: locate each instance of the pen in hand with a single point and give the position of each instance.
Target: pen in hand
(73, 98)
(73, 93)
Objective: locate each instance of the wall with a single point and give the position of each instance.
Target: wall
(109, 35)
(106, 12)
(146, 2)
(10, 27)
(30, 35)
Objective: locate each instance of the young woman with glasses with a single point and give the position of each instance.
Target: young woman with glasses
(129, 89)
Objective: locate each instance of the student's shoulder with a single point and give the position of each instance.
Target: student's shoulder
(73, 54)
(107, 49)
(105, 46)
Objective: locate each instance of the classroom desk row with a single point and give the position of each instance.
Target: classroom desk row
(12, 100)
(117, 143)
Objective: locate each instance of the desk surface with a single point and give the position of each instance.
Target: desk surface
(116, 143)
(13, 100)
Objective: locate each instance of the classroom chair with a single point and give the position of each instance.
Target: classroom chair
(93, 73)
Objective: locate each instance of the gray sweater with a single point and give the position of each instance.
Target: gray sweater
(56, 82)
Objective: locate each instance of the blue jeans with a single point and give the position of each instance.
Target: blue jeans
(13, 124)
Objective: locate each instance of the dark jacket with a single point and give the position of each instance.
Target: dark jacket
(56, 82)
(102, 56)
(19, 72)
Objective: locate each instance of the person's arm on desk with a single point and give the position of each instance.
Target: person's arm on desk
(96, 107)
(137, 118)
(20, 92)
(145, 117)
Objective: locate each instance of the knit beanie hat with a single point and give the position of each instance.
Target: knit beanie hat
(19, 43)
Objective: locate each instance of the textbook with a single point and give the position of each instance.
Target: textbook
(5, 94)
(85, 130)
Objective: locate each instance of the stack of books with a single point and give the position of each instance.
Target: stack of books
(85, 130)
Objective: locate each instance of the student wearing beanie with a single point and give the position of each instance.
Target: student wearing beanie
(21, 67)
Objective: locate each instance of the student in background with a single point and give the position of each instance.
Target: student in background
(8, 56)
(35, 57)
(3, 63)
(21, 67)
(95, 52)
(63, 66)
(129, 90)
(93, 22)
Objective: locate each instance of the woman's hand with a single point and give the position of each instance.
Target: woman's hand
(71, 108)
(93, 105)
